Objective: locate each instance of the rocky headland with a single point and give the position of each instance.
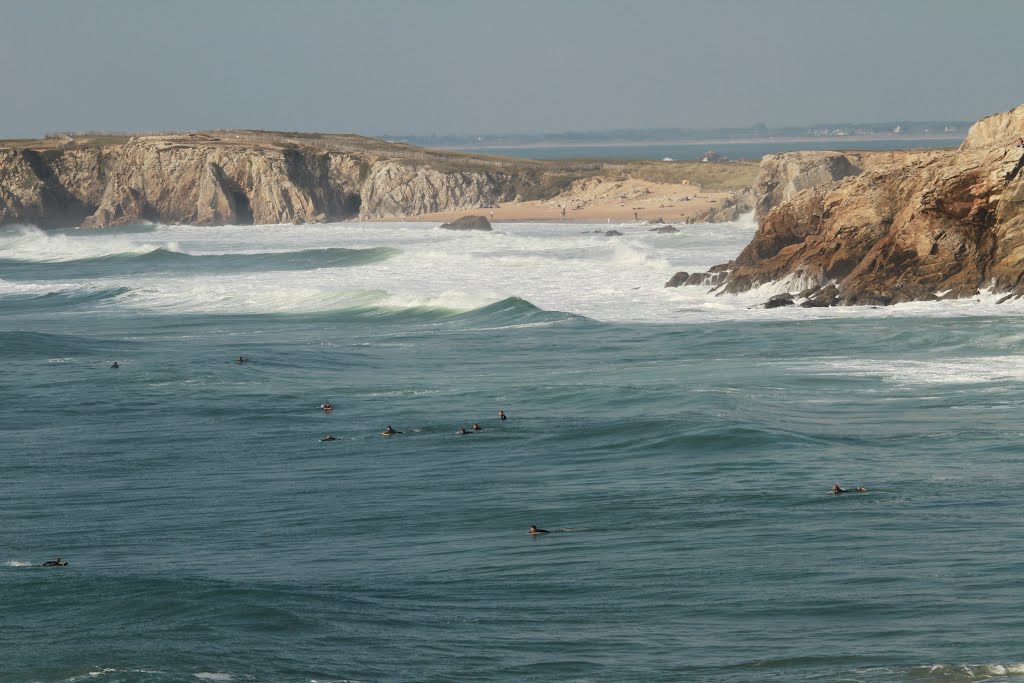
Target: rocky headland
(254, 177)
(887, 227)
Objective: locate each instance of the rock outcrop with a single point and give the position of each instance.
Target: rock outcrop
(469, 223)
(244, 177)
(888, 227)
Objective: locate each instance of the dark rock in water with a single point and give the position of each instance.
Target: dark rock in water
(784, 299)
(665, 229)
(469, 223)
(821, 297)
(1008, 297)
(613, 233)
(709, 279)
(679, 278)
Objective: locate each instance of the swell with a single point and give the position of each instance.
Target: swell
(35, 300)
(164, 260)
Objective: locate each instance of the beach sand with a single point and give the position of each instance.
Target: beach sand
(597, 200)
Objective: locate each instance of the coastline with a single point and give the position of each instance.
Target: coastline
(705, 141)
(596, 200)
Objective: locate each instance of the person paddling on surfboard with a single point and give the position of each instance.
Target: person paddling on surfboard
(329, 438)
(836, 489)
(534, 530)
(389, 431)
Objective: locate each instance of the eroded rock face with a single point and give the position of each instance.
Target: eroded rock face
(238, 177)
(901, 226)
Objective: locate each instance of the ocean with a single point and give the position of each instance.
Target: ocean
(690, 151)
(679, 446)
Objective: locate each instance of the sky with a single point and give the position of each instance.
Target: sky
(423, 67)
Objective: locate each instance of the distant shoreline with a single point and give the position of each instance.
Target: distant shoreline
(709, 141)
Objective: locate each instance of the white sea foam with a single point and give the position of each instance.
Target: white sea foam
(976, 370)
(568, 268)
(974, 672)
(213, 676)
(17, 563)
(27, 243)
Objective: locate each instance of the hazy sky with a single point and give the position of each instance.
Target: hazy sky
(381, 67)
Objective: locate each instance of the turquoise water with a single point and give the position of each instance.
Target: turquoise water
(679, 446)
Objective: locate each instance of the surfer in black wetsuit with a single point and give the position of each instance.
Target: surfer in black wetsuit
(115, 365)
(501, 415)
(463, 430)
(326, 406)
(477, 428)
(836, 489)
(534, 530)
(55, 563)
(329, 438)
(242, 359)
(389, 431)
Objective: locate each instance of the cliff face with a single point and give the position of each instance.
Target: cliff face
(882, 228)
(240, 177)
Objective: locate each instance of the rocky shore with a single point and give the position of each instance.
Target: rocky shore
(256, 177)
(882, 228)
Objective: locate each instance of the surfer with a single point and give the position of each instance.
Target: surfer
(389, 431)
(242, 359)
(463, 430)
(326, 406)
(55, 563)
(477, 427)
(534, 530)
(836, 489)
(501, 415)
(115, 366)
(329, 438)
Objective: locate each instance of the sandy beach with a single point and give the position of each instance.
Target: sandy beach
(599, 200)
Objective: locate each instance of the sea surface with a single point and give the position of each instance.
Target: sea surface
(679, 446)
(733, 150)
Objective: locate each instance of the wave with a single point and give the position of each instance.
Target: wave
(52, 297)
(149, 260)
(23, 344)
(968, 672)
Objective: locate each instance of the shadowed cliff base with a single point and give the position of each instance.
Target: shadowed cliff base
(245, 177)
(880, 228)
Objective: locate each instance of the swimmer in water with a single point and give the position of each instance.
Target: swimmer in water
(329, 438)
(501, 415)
(115, 366)
(836, 489)
(326, 406)
(463, 430)
(534, 530)
(477, 428)
(389, 431)
(242, 359)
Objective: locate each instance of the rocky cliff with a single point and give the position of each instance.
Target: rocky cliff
(243, 177)
(883, 228)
